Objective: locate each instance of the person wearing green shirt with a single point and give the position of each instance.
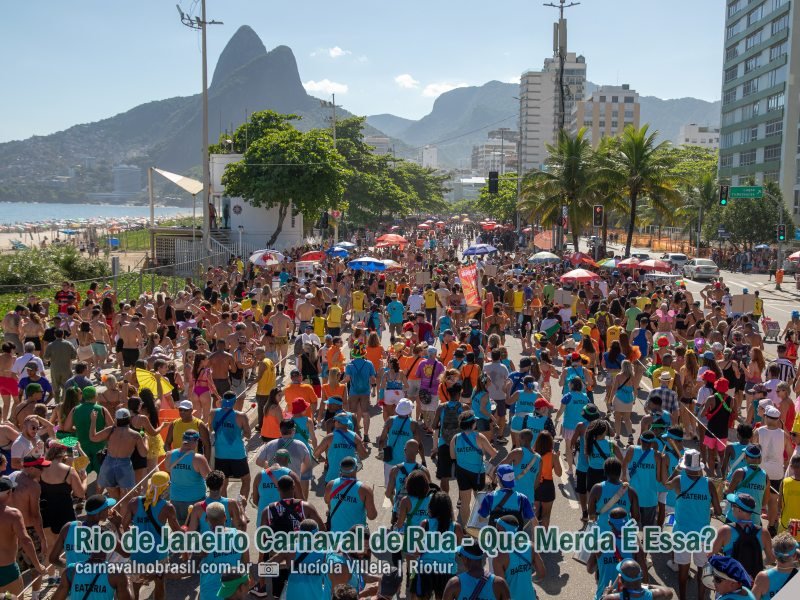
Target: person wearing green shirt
(549, 291)
(631, 313)
(79, 421)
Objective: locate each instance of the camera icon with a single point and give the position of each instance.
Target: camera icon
(267, 569)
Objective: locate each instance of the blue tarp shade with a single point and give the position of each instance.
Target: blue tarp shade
(113, 242)
(68, 231)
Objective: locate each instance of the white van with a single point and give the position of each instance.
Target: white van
(676, 260)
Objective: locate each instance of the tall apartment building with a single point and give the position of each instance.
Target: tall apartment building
(540, 106)
(693, 134)
(760, 102)
(497, 153)
(380, 144)
(606, 112)
(430, 157)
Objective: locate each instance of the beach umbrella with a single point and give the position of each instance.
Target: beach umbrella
(394, 227)
(654, 265)
(313, 255)
(629, 263)
(579, 258)
(440, 223)
(488, 226)
(466, 220)
(64, 231)
(479, 249)
(608, 263)
(762, 247)
(347, 245)
(580, 275)
(337, 251)
(423, 226)
(392, 265)
(542, 257)
(366, 263)
(795, 256)
(392, 239)
(266, 258)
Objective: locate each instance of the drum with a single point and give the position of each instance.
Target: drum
(582, 556)
(477, 522)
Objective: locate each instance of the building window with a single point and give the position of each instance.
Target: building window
(771, 176)
(628, 99)
(775, 102)
(729, 96)
(749, 87)
(796, 207)
(734, 7)
(778, 50)
(776, 4)
(780, 24)
(732, 52)
(730, 74)
(773, 127)
(755, 15)
(747, 158)
(614, 124)
(602, 98)
(601, 124)
(776, 76)
(726, 141)
(726, 162)
(615, 99)
(628, 114)
(729, 118)
(752, 40)
(772, 152)
(748, 134)
(751, 63)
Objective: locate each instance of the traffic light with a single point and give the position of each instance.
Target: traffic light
(781, 232)
(597, 215)
(723, 195)
(494, 182)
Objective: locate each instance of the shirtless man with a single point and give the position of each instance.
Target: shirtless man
(116, 473)
(149, 320)
(26, 500)
(131, 339)
(305, 311)
(222, 365)
(102, 339)
(11, 325)
(8, 379)
(13, 534)
(223, 329)
(281, 325)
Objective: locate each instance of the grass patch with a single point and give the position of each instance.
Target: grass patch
(138, 240)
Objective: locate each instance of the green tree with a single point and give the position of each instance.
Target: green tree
(502, 205)
(569, 179)
(260, 124)
(288, 169)
(641, 167)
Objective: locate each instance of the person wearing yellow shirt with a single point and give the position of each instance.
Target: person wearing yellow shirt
(431, 301)
(334, 317)
(390, 287)
(358, 298)
(319, 323)
(666, 367)
(517, 303)
(789, 497)
(265, 376)
(613, 332)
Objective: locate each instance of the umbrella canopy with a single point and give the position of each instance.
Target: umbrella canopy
(654, 265)
(392, 239)
(762, 247)
(366, 263)
(347, 245)
(580, 275)
(527, 230)
(466, 220)
(488, 226)
(541, 257)
(608, 263)
(394, 227)
(795, 256)
(392, 265)
(478, 249)
(64, 231)
(629, 263)
(337, 251)
(440, 223)
(579, 258)
(266, 258)
(313, 255)
(423, 226)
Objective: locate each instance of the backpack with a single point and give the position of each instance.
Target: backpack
(466, 381)
(476, 340)
(287, 519)
(448, 426)
(502, 510)
(747, 549)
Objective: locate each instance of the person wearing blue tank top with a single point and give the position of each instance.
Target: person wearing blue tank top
(750, 479)
(265, 484)
(413, 508)
(695, 497)
(671, 455)
(523, 402)
(741, 524)
(350, 501)
(187, 469)
(727, 576)
(341, 443)
(733, 457)
(229, 429)
(475, 583)
(211, 577)
(598, 448)
(467, 450)
(439, 566)
(527, 465)
(640, 465)
(769, 582)
(604, 564)
(95, 583)
(612, 493)
(397, 430)
(589, 415)
(151, 513)
(629, 584)
(518, 568)
(572, 406)
(396, 486)
(307, 577)
(96, 508)
(215, 482)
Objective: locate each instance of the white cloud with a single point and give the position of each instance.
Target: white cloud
(336, 52)
(326, 86)
(406, 81)
(433, 90)
(514, 79)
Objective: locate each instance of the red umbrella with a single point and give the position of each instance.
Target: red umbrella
(629, 263)
(423, 226)
(394, 228)
(795, 256)
(392, 239)
(654, 265)
(580, 275)
(313, 255)
(488, 226)
(581, 258)
(440, 223)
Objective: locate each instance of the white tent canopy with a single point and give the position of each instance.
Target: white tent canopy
(192, 186)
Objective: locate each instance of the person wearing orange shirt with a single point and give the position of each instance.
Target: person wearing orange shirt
(335, 356)
(334, 388)
(449, 345)
(296, 389)
(375, 352)
(409, 364)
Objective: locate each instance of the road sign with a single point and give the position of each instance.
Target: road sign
(723, 235)
(746, 191)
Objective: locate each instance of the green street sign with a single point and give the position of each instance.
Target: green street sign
(746, 191)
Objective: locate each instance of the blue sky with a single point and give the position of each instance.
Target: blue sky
(75, 62)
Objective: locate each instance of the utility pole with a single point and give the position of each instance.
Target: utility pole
(560, 50)
(200, 23)
(332, 106)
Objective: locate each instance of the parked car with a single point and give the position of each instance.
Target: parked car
(640, 255)
(676, 260)
(701, 268)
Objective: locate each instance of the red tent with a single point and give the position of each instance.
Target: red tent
(654, 265)
(580, 275)
(313, 255)
(392, 239)
(629, 263)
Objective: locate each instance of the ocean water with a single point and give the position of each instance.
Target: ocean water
(27, 212)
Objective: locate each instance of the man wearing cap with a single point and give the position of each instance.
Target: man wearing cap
(668, 396)
(28, 356)
(527, 465)
(768, 583)
(467, 449)
(231, 428)
(775, 444)
(79, 421)
(34, 376)
(340, 443)
(741, 539)
(116, 472)
(360, 377)
(695, 498)
(304, 427)
(187, 421)
(629, 584)
(640, 468)
(26, 498)
(96, 509)
(150, 513)
(188, 471)
(475, 583)
(13, 534)
(350, 501)
(233, 586)
(397, 430)
(519, 569)
(750, 479)
(299, 456)
(265, 484)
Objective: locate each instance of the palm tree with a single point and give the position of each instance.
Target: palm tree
(638, 165)
(568, 179)
(701, 196)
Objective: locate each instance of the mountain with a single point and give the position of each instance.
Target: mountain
(462, 117)
(166, 133)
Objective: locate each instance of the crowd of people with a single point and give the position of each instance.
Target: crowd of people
(639, 400)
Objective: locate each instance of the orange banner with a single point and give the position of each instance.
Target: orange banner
(469, 283)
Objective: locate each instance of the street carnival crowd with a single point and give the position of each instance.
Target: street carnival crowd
(633, 396)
